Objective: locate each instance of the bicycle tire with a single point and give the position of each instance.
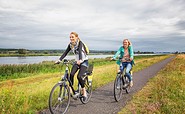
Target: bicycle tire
(118, 83)
(128, 85)
(88, 87)
(59, 99)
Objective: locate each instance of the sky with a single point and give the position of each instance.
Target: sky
(151, 25)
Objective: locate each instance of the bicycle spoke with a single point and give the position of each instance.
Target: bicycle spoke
(118, 88)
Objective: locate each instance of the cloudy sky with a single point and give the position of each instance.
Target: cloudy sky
(151, 25)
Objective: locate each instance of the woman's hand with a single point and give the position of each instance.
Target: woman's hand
(79, 62)
(57, 62)
(126, 59)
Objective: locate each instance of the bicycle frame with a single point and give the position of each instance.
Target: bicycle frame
(66, 78)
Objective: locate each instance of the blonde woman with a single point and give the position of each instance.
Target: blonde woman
(127, 56)
(76, 46)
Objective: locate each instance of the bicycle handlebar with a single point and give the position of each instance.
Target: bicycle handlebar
(65, 61)
(120, 59)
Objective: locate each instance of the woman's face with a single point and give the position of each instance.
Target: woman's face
(125, 43)
(73, 38)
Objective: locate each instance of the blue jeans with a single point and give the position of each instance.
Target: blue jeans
(128, 67)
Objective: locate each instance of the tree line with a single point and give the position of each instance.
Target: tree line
(23, 51)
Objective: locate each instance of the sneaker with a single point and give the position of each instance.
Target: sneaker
(131, 83)
(84, 97)
(125, 86)
(119, 71)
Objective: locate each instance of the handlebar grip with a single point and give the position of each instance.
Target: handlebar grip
(65, 60)
(57, 63)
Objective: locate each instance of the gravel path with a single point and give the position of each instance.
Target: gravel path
(102, 101)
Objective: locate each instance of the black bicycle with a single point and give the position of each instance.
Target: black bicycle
(59, 98)
(121, 83)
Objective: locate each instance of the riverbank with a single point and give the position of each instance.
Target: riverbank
(40, 59)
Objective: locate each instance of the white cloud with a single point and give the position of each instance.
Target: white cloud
(105, 21)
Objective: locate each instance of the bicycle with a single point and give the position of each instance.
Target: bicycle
(121, 83)
(59, 98)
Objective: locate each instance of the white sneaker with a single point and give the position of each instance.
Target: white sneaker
(119, 71)
(125, 86)
(131, 83)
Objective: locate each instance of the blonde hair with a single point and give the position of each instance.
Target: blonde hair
(78, 39)
(129, 43)
(76, 35)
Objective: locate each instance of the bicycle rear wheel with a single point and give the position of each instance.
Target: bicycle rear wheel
(118, 83)
(59, 99)
(88, 87)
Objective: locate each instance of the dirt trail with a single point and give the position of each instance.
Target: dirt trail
(102, 101)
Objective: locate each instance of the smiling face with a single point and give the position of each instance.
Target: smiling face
(73, 38)
(125, 43)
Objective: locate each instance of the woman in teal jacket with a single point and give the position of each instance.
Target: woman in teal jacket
(127, 58)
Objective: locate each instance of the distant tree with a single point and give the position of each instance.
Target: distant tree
(22, 51)
(112, 52)
(46, 52)
(138, 52)
(176, 52)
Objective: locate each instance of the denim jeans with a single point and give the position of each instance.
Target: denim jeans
(128, 66)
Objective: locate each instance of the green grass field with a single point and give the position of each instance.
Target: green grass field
(30, 94)
(164, 94)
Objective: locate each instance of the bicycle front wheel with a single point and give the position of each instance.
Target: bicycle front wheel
(127, 83)
(118, 83)
(59, 98)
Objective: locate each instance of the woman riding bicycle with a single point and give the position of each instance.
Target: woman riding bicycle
(81, 60)
(127, 56)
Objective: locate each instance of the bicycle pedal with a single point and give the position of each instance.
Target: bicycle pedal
(76, 95)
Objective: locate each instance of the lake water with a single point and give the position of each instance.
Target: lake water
(38, 59)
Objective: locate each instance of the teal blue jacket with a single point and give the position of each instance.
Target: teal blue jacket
(121, 53)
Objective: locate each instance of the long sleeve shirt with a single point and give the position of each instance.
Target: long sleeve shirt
(78, 51)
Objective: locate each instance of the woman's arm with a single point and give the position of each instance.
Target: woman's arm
(131, 52)
(117, 53)
(65, 53)
(80, 50)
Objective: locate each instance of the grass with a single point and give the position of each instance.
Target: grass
(30, 95)
(26, 70)
(164, 94)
